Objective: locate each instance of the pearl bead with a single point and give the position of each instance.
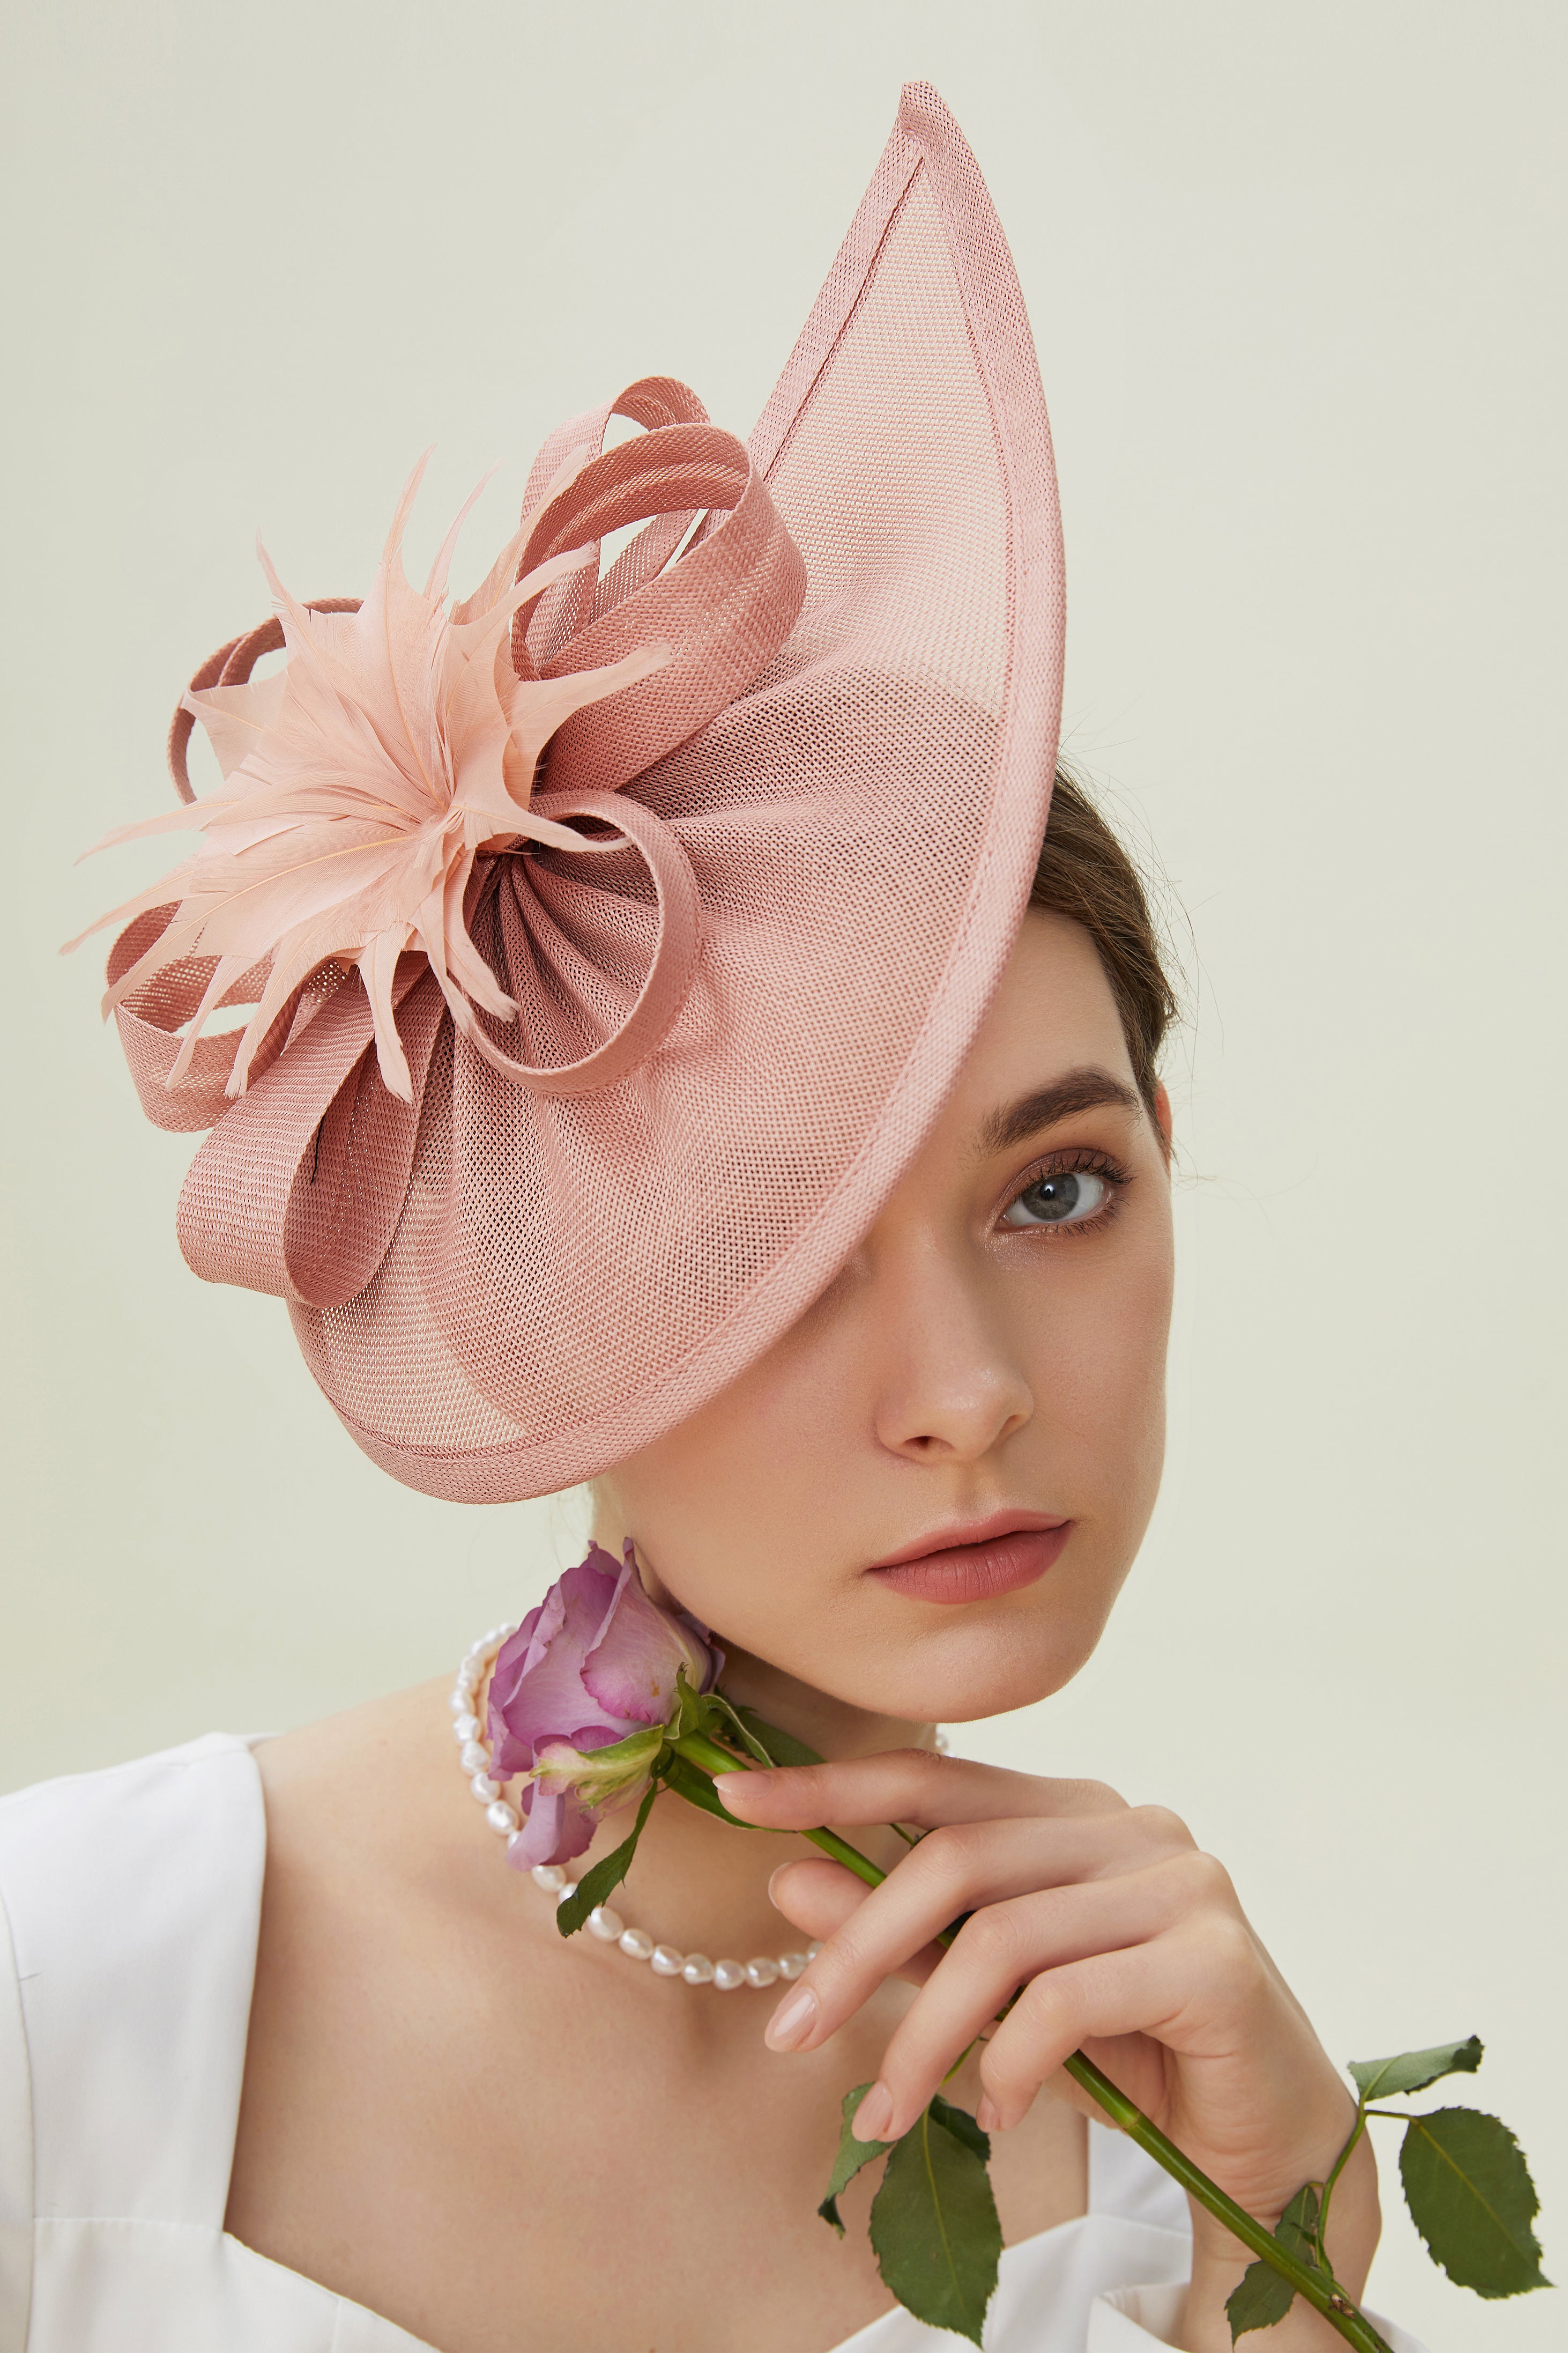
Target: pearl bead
(603, 1922)
(812, 1950)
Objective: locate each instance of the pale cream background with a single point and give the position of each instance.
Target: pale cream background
(1295, 273)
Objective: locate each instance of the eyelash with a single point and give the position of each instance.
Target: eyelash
(1084, 1162)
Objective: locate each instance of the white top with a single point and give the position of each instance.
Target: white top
(132, 1899)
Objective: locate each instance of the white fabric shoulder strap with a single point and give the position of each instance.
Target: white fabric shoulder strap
(15, 2157)
(134, 1898)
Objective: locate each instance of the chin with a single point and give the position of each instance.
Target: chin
(961, 1674)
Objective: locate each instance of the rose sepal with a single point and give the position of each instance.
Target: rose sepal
(655, 1751)
(600, 1776)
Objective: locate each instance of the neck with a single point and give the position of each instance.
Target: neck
(701, 1883)
(832, 1726)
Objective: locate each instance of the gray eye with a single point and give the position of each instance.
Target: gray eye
(1065, 1199)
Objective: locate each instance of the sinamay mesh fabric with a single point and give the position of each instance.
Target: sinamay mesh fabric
(776, 962)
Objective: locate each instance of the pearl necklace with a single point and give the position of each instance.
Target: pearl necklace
(603, 1922)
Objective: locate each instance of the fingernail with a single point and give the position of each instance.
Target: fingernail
(792, 2020)
(985, 2116)
(731, 1785)
(875, 2114)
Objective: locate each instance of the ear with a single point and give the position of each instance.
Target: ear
(1162, 1115)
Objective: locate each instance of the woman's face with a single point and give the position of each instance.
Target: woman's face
(988, 1367)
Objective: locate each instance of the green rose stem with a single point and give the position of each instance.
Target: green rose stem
(697, 1749)
(1317, 2288)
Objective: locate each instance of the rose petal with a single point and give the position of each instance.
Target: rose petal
(555, 1829)
(537, 1685)
(632, 1667)
(714, 1652)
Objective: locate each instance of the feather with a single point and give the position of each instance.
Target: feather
(360, 783)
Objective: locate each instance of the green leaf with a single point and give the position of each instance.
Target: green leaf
(1470, 2195)
(933, 2223)
(1412, 2070)
(1264, 2295)
(852, 2155)
(768, 1743)
(722, 1723)
(597, 1885)
(1262, 2298)
(1296, 2229)
(959, 2122)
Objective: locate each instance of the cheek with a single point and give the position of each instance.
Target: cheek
(746, 1487)
(1097, 1369)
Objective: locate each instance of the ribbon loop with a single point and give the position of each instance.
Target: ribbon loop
(151, 1020)
(723, 608)
(298, 1189)
(670, 967)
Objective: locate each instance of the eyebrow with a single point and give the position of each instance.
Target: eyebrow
(1085, 1090)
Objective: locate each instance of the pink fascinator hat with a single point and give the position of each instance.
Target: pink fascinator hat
(612, 936)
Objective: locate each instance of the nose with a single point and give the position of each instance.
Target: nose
(951, 1382)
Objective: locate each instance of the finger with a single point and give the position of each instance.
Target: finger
(954, 1871)
(903, 1785)
(817, 1896)
(1001, 1949)
(1151, 1989)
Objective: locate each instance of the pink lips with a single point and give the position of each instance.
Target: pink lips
(977, 1563)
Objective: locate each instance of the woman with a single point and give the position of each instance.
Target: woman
(751, 1116)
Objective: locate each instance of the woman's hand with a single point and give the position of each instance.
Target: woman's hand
(1117, 1936)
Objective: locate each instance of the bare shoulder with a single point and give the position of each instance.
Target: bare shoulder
(386, 1741)
(372, 1844)
(382, 1944)
(360, 1821)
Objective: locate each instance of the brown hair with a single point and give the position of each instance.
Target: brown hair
(1086, 874)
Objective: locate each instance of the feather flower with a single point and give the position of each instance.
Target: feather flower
(360, 783)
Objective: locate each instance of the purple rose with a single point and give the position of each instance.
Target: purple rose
(580, 1697)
